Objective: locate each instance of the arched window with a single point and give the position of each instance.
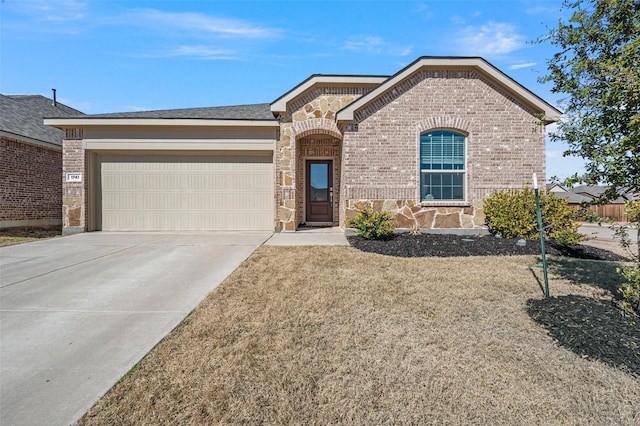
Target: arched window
(442, 166)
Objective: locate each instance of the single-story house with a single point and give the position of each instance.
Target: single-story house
(614, 209)
(428, 144)
(30, 161)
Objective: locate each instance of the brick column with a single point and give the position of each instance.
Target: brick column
(73, 192)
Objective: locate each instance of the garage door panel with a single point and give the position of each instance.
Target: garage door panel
(187, 192)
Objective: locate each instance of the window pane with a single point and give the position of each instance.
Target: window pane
(442, 186)
(437, 192)
(442, 150)
(319, 176)
(457, 193)
(446, 193)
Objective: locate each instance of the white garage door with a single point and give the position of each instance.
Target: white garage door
(185, 192)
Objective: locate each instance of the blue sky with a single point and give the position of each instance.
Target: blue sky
(113, 56)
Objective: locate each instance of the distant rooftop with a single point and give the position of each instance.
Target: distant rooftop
(23, 116)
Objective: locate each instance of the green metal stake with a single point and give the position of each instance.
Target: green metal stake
(541, 229)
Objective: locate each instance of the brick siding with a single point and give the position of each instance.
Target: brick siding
(505, 144)
(30, 184)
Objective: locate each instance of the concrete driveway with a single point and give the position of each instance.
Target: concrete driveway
(78, 312)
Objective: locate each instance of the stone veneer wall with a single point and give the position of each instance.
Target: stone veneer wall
(505, 145)
(410, 214)
(74, 194)
(30, 185)
(312, 113)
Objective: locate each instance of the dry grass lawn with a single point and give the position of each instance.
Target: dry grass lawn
(330, 335)
(13, 236)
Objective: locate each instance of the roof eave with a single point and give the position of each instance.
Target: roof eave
(31, 141)
(64, 123)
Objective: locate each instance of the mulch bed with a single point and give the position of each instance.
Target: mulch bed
(591, 328)
(446, 245)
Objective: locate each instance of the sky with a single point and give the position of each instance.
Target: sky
(115, 56)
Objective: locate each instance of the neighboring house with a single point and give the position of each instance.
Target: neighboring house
(30, 161)
(427, 144)
(594, 191)
(614, 209)
(555, 188)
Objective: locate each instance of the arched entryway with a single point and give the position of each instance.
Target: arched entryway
(318, 167)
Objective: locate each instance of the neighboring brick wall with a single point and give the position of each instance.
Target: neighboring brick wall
(30, 185)
(505, 145)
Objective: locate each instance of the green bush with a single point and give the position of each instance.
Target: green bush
(371, 224)
(631, 289)
(512, 214)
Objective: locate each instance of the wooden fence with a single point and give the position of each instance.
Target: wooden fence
(615, 212)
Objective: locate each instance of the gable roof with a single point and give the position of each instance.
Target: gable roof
(22, 116)
(551, 114)
(280, 104)
(552, 187)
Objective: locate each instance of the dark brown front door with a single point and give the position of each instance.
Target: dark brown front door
(319, 199)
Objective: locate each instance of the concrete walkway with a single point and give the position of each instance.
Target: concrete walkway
(605, 232)
(309, 237)
(77, 312)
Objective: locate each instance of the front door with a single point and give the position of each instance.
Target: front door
(319, 190)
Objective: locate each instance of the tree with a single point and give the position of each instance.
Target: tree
(597, 65)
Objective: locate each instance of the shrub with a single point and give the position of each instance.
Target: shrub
(512, 214)
(371, 224)
(631, 289)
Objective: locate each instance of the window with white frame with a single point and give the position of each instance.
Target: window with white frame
(442, 166)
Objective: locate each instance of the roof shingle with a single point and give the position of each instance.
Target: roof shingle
(23, 115)
(234, 112)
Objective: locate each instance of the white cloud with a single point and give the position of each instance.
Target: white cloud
(375, 45)
(458, 20)
(51, 10)
(366, 44)
(424, 10)
(538, 10)
(520, 66)
(490, 39)
(203, 24)
(196, 52)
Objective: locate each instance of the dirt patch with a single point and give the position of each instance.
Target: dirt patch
(446, 245)
(332, 335)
